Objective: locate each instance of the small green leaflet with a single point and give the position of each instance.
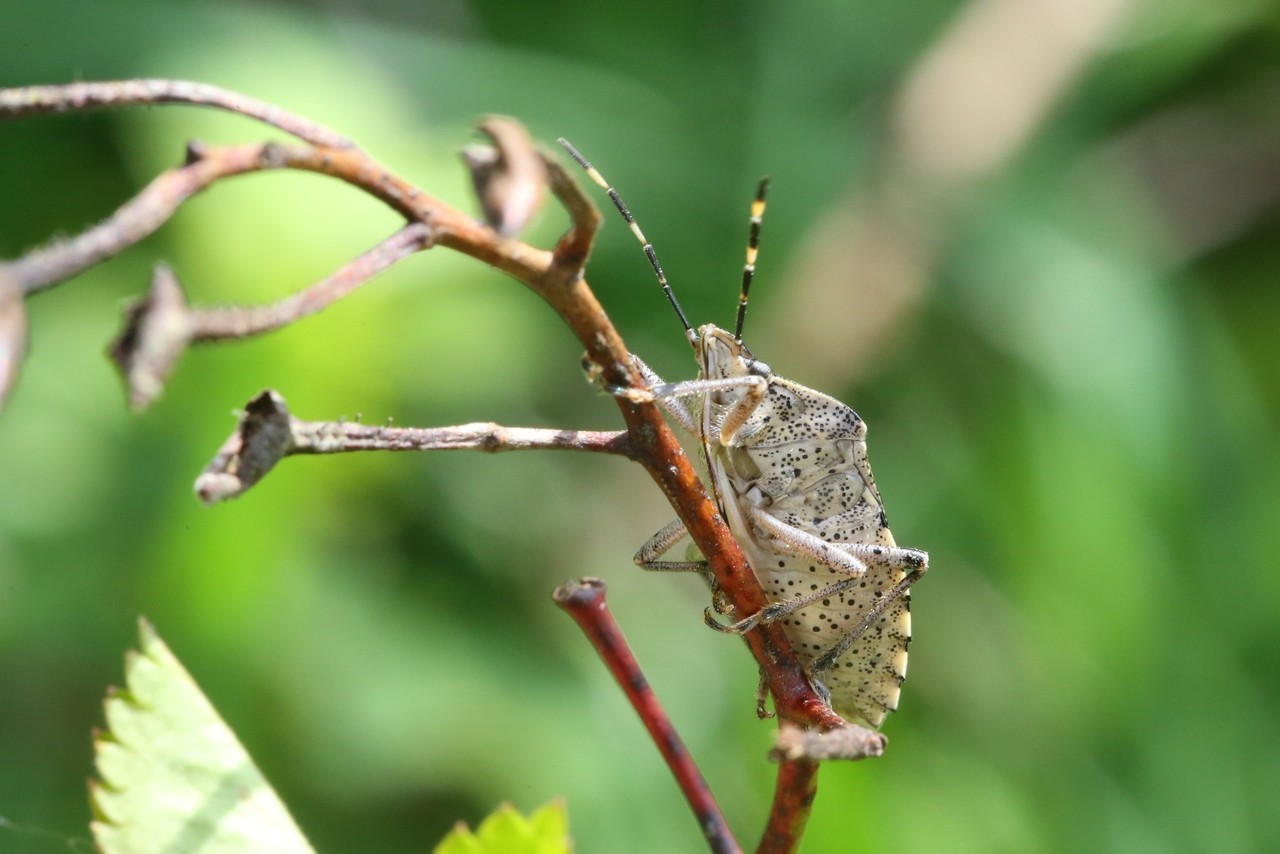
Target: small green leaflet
(505, 831)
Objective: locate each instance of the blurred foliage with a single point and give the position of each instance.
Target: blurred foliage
(1076, 415)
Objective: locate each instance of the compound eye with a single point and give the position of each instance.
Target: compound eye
(759, 369)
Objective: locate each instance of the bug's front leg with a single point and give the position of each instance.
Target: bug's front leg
(667, 395)
(670, 396)
(755, 389)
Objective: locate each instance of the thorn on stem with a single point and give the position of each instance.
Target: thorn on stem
(195, 152)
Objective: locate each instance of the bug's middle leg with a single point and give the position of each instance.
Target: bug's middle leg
(850, 559)
(649, 554)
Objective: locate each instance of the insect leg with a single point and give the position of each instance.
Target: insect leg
(734, 417)
(661, 392)
(762, 697)
(849, 558)
(742, 408)
(669, 402)
(808, 545)
(778, 610)
(661, 543)
(669, 395)
(895, 556)
(829, 658)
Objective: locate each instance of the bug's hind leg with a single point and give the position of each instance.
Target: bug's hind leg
(831, 656)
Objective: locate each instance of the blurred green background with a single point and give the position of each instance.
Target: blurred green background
(1035, 244)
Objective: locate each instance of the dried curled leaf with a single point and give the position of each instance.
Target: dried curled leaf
(263, 437)
(157, 329)
(173, 777)
(509, 176)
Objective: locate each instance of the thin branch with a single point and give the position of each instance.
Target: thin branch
(338, 437)
(584, 600)
(147, 211)
(137, 218)
(159, 327)
(795, 743)
(33, 100)
(556, 277)
(213, 324)
(793, 794)
(267, 433)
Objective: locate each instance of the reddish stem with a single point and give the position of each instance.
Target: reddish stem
(584, 600)
(793, 796)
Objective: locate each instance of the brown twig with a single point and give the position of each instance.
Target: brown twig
(267, 433)
(584, 600)
(557, 277)
(33, 100)
(574, 247)
(139, 217)
(160, 326)
(213, 324)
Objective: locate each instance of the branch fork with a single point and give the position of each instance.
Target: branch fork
(511, 177)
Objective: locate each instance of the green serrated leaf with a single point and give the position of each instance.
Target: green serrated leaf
(506, 831)
(551, 822)
(173, 777)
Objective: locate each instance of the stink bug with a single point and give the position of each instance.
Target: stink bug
(788, 468)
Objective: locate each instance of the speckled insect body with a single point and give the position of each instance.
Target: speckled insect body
(788, 468)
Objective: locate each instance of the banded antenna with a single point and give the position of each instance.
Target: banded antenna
(753, 249)
(635, 229)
